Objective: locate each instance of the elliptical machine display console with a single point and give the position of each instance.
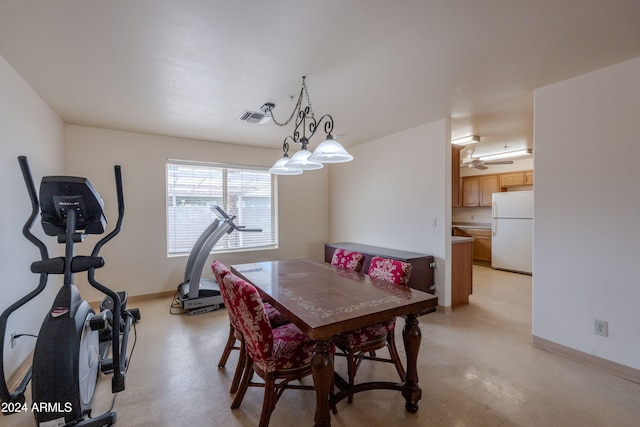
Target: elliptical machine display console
(74, 341)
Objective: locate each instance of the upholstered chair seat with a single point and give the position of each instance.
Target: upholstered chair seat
(368, 334)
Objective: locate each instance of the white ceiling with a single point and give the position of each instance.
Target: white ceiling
(189, 68)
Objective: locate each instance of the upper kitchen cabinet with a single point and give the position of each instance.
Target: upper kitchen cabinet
(528, 178)
(477, 190)
(488, 186)
(471, 191)
(514, 179)
(456, 196)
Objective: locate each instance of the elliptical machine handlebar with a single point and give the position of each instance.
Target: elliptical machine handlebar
(35, 208)
(117, 170)
(118, 357)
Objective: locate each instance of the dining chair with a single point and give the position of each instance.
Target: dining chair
(356, 343)
(348, 260)
(278, 355)
(235, 336)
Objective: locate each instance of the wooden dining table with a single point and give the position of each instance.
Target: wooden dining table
(323, 300)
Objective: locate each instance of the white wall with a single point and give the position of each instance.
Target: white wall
(136, 259)
(587, 212)
(27, 127)
(391, 192)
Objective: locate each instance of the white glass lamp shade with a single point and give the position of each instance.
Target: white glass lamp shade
(330, 151)
(301, 161)
(281, 167)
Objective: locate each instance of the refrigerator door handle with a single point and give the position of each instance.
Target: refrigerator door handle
(493, 217)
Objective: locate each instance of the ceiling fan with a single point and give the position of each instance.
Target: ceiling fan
(482, 164)
(469, 161)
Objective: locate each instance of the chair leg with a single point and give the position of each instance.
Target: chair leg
(269, 402)
(228, 347)
(242, 363)
(393, 352)
(244, 384)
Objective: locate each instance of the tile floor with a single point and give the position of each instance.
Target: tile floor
(477, 368)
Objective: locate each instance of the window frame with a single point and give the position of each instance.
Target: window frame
(224, 167)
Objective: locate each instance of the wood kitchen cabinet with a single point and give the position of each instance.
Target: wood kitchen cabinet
(528, 178)
(481, 242)
(488, 186)
(461, 270)
(513, 179)
(477, 190)
(455, 175)
(471, 191)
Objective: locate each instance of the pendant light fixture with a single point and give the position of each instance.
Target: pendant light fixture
(329, 151)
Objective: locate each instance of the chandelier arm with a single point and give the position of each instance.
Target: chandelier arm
(328, 124)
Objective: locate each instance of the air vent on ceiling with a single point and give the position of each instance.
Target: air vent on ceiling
(254, 117)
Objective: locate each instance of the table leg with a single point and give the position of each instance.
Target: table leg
(411, 336)
(322, 368)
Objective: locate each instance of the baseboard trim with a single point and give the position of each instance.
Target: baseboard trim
(19, 373)
(146, 297)
(96, 304)
(444, 309)
(608, 366)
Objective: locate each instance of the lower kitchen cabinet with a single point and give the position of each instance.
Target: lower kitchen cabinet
(461, 270)
(481, 243)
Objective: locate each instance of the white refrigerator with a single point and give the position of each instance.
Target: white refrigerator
(512, 231)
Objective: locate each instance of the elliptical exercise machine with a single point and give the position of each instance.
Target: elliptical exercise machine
(73, 342)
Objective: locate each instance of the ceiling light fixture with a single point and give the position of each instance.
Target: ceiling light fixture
(329, 151)
(471, 139)
(508, 154)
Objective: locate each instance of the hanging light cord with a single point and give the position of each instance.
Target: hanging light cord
(298, 107)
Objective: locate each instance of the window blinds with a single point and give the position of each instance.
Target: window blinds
(247, 193)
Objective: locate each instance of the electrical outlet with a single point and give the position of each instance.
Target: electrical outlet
(600, 327)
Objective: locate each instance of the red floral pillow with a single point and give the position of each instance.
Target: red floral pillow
(348, 260)
(390, 270)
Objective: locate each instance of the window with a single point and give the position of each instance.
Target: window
(248, 193)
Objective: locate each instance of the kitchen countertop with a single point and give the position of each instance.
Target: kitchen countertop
(460, 239)
(481, 225)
